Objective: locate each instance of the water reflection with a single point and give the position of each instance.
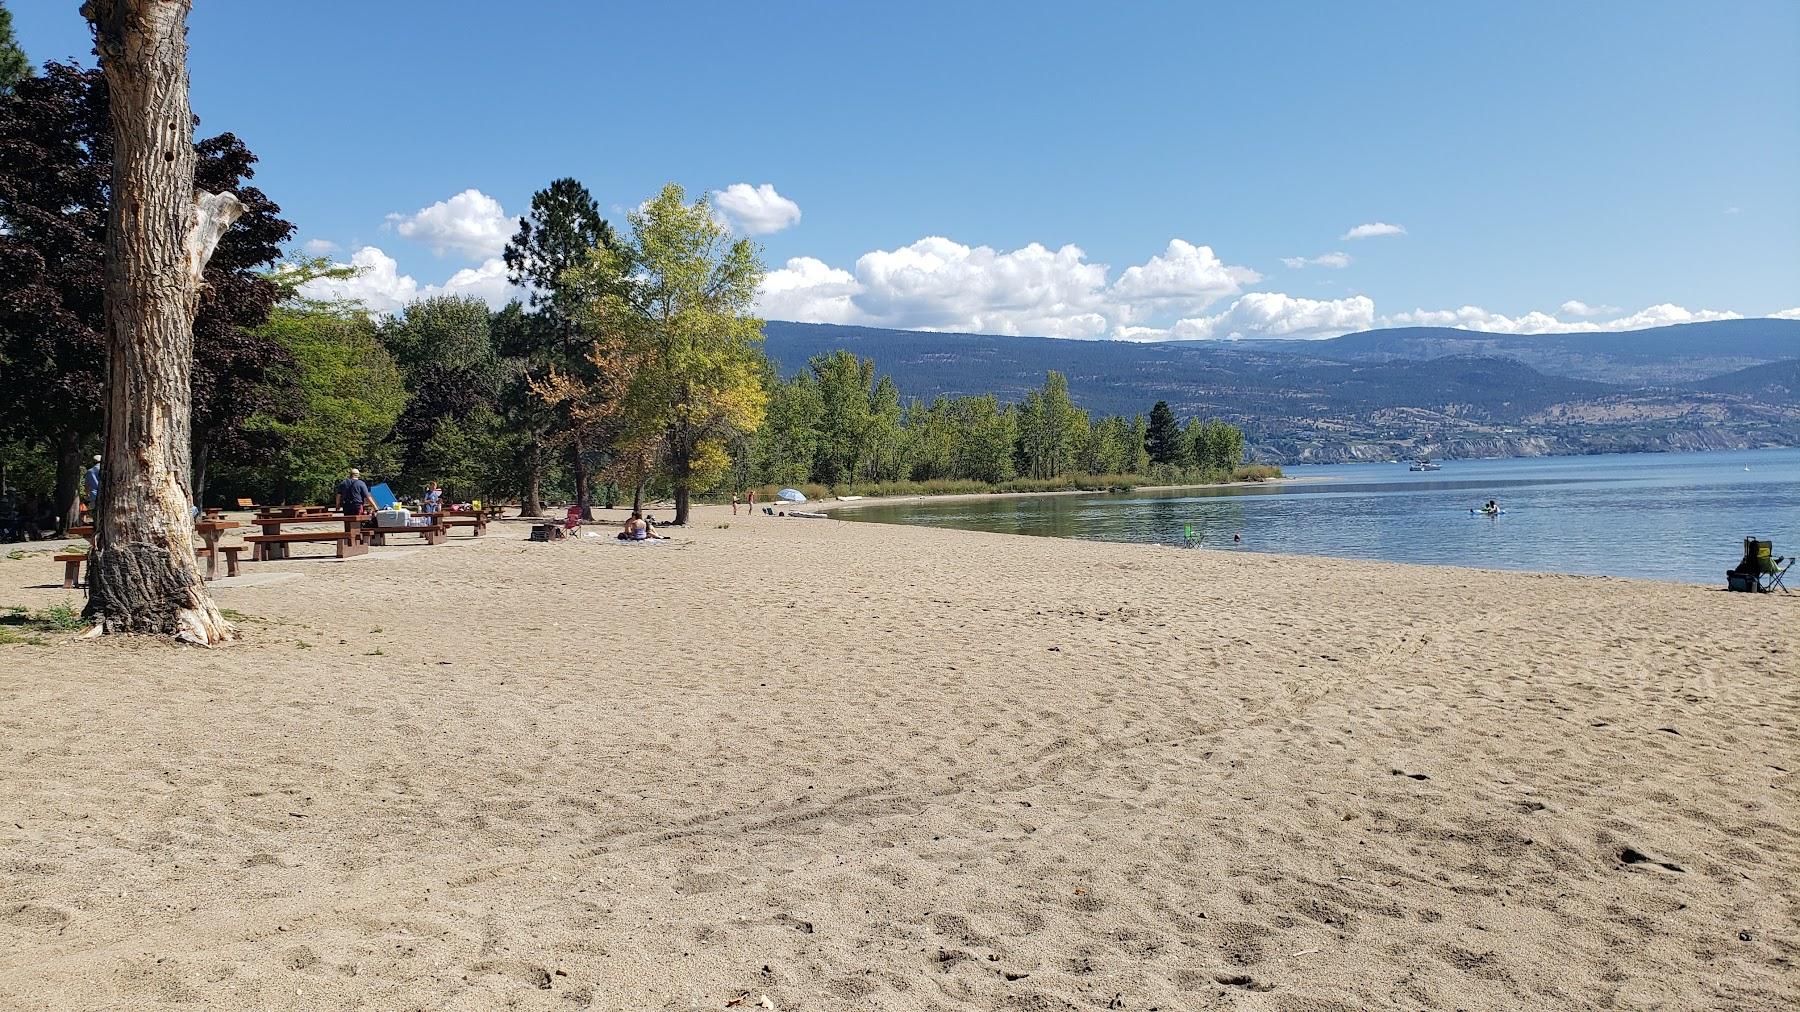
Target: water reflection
(1663, 516)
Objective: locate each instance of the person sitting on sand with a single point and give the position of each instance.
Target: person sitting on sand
(638, 529)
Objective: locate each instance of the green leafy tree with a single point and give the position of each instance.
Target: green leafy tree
(1111, 453)
(786, 448)
(345, 393)
(883, 453)
(989, 433)
(844, 383)
(1137, 446)
(1052, 430)
(678, 294)
(1218, 448)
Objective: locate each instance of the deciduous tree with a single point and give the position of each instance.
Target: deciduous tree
(143, 577)
(683, 306)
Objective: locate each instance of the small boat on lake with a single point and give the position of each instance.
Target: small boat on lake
(1424, 464)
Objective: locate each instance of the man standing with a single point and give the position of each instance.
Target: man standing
(353, 498)
(92, 480)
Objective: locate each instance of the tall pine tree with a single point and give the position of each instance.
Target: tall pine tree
(1164, 438)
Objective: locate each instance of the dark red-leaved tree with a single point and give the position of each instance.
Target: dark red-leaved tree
(55, 177)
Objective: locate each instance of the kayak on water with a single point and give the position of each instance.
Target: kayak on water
(1487, 513)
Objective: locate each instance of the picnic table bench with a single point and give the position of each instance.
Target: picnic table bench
(270, 547)
(71, 568)
(211, 555)
(272, 544)
(433, 533)
(210, 530)
(477, 519)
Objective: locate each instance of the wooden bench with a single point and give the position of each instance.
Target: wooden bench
(270, 547)
(72, 568)
(246, 504)
(432, 533)
(231, 557)
(478, 521)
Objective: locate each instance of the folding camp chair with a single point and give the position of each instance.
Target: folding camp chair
(1761, 570)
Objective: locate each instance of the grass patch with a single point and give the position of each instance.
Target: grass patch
(19, 624)
(233, 615)
(302, 644)
(1255, 472)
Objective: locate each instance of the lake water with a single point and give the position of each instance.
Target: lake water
(1661, 516)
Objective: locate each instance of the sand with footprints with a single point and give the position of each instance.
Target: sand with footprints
(853, 766)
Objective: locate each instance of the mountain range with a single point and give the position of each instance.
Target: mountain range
(1383, 394)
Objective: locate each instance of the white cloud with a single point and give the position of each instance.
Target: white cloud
(940, 284)
(320, 247)
(1476, 318)
(381, 287)
(1578, 308)
(756, 210)
(1276, 314)
(1787, 314)
(486, 282)
(1734, 210)
(1182, 278)
(810, 291)
(378, 283)
(470, 223)
(1373, 229)
(1336, 261)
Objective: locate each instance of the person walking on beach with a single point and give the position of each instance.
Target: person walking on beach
(752, 502)
(353, 496)
(734, 503)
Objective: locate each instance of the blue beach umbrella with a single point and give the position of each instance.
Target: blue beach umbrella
(791, 495)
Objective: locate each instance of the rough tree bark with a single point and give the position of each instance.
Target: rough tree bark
(68, 482)
(578, 464)
(531, 504)
(143, 577)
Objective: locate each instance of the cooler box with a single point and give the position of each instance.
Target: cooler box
(396, 517)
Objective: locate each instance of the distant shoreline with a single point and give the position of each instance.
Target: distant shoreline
(833, 505)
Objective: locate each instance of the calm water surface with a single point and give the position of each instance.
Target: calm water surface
(1656, 515)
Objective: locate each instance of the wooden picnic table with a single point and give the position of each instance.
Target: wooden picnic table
(267, 551)
(296, 511)
(477, 519)
(210, 532)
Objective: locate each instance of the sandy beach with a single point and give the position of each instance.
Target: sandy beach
(858, 766)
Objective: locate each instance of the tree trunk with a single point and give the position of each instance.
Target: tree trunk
(579, 466)
(202, 455)
(681, 468)
(68, 482)
(637, 498)
(143, 577)
(531, 504)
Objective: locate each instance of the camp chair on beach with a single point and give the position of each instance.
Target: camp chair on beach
(1760, 571)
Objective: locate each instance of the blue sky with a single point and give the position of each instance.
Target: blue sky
(1135, 170)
